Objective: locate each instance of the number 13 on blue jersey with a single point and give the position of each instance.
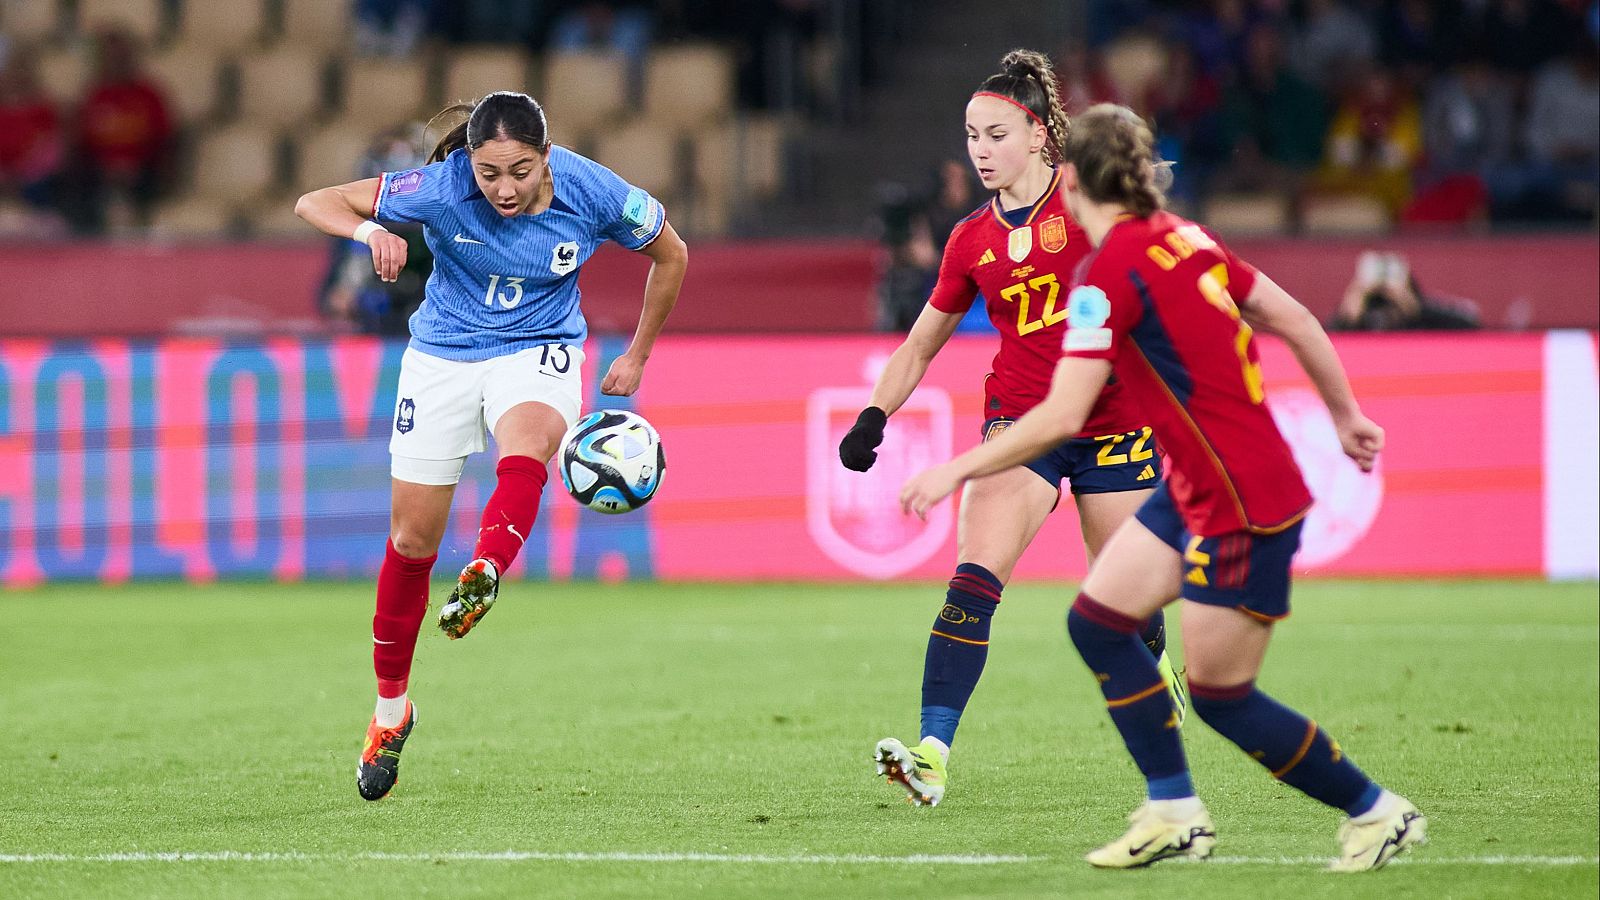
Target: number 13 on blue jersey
(508, 298)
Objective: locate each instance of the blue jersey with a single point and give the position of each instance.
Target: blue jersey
(502, 285)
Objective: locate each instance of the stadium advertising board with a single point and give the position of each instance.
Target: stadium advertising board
(199, 460)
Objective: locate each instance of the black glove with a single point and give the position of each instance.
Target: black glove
(856, 450)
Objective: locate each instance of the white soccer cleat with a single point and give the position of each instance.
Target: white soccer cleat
(920, 770)
(1152, 838)
(1370, 845)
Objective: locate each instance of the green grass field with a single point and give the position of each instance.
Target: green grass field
(683, 740)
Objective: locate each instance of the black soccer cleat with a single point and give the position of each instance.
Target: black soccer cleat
(379, 768)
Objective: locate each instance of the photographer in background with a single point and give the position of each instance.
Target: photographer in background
(1385, 296)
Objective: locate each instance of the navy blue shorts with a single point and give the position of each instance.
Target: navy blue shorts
(1099, 465)
(1241, 570)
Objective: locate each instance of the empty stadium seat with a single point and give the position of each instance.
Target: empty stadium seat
(740, 159)
(321, 24)
(330, 156)
(274, 218)
(1133, 64)
(222, 25)
(30, 21)
(689, 85)
(64, 73)
(474, 71)
(643, 153)
(144, 19)
(379, 94)
(582, 92)
(236, 165)
(282, 87)
(192, 217)
(190, 77)
(1244, 214)
(1346, 214)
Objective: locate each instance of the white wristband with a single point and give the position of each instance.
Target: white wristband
(365, 230)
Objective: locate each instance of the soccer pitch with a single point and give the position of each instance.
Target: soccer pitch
(714, 740)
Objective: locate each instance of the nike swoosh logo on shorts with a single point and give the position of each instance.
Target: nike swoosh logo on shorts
(462, 239)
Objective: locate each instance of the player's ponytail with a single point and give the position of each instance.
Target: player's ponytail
(1027, 78)
(1114, 153)
(502, 114)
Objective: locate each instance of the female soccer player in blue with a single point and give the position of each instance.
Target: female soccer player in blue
(496, 344)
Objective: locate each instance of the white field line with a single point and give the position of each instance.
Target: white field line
(800, 859)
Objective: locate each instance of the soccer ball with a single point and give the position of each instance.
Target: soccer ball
(611, 461)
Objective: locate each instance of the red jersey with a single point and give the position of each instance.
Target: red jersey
(1023, 272)
(1157, 300)
(125, 125)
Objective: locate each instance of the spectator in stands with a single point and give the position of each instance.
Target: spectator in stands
(915, 229)
(32, 142)
(1384, 296)
(1375, 141)
(1562, 135)
(1337, 42)
(1273, 121)
(352, 294)
(125, 134)
(1185, 107)
(1469, 119)
(390, 27)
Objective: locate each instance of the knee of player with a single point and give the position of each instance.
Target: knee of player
(414, 543)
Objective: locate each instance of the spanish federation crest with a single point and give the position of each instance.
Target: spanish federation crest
(1053, 234)
(1020, 243)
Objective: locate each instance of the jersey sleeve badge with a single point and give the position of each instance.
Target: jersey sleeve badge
(405, 182)
(1088, 310)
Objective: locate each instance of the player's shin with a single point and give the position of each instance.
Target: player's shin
(1136, 696)
(957, 649)
(402, 601)
(511, 510)
(1291, 747)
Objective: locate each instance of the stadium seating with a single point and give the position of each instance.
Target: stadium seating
(30, 20)
(320, 24)
(238, 164)
(330, 156)
(191, 78)
(380, 94)
(475, 71)
(144, 19)
(64, 74)
(582, 92)
(282, 88)
(688, 86)
(1345, 214)
(193, 217)
(225, 26)
(646, 154)
(1246, 214)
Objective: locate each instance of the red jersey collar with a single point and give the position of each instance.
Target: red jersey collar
(999, 214)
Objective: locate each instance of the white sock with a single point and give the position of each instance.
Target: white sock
(1379, 810)
(1179, 810)
(941, 746)
(391, 711)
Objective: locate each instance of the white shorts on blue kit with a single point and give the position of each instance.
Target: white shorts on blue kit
(443, 407)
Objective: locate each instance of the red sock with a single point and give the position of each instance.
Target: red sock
(512, 507)
(402, 600)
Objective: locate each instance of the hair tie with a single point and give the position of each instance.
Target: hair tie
(1031, 114)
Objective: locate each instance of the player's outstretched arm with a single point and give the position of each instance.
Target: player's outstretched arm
(1073, 391)
(910, 361)
(669, 260)
(1269, 308)
(346, 211)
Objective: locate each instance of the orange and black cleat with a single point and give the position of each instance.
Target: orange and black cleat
(379, 768)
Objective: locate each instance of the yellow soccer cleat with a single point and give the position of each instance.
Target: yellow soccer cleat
(1369, 845)
(1152, 838)
(1175, 686)
(920, 770)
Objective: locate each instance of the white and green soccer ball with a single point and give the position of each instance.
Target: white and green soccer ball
(611, 461)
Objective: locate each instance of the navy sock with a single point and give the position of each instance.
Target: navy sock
(1289, 745)
(1135, 694)
(957, 649)
(1154, 634)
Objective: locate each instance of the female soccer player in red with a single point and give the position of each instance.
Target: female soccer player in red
(1156, 306)
(1019, 250)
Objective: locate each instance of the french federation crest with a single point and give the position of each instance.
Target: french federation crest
(855, 517)
(1053, 234)
(1020, 243)
(405, 417)
(1347, 499)
(564, 258)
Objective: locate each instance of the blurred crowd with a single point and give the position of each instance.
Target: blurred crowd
(1448, 112)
